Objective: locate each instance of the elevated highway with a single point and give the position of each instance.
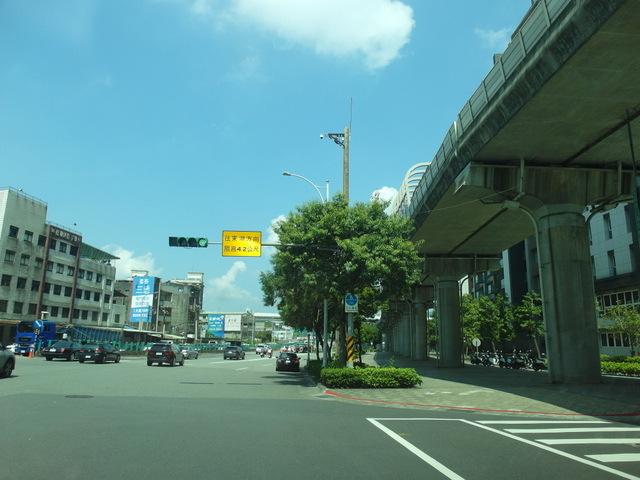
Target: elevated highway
(547, 134)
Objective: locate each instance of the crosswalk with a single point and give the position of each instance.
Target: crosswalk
(600, 441)
(608, 446)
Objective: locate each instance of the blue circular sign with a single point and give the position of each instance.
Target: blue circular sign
(351, 299)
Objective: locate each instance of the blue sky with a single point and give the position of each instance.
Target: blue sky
(136, 120)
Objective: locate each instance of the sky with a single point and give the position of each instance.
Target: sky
(137, 120)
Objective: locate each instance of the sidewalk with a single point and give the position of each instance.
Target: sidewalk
(494, 389)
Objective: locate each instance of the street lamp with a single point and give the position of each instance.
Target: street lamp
(317, 187)
(342, 140)
(325, 352)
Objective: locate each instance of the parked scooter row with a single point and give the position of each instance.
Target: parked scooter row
(514, 360)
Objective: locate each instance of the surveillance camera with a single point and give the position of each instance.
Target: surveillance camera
(321, 136)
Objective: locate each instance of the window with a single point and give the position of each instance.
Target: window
(63, 247)
(116, 318)
(108, 282)
(94, 316)
(54, 311)
(52, 245)
(107, 298)
(78, 293)
(71, 271)
(42, 240)
(65, 312)
(67, 291)
(612, 263)
(96, 296)
(4, 305)
(59, 268)
(13, 231)
(57, 289)
(89, 275)
(73, 250)
(628, 216)
(24, 259)
(47, 287)
(39, 262)
(6, 281)
(28, 236)
(18, 307)
(22, 283)
(98, 277)
(608, 233)
(80, 273)
(35, 285)
(9, 256)
(87, 295)
(49, 266)
(76, 313)
(32, 308)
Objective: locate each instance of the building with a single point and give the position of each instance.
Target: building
(162, 310)
(224, 327)
(48, 272)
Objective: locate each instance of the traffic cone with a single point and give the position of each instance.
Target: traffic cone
(31, 355)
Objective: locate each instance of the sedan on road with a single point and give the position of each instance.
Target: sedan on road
(99, 353)
(233, 352)
(189, 352)
(7, 362)
(288, 361)
(62, 349)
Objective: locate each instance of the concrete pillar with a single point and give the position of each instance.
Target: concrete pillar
(568, 295)
(447, 272)
(421, 294)
(449, 323)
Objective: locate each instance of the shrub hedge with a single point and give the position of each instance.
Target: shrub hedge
(371, 377)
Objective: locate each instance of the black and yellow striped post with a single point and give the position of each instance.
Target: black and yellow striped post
(351, 341)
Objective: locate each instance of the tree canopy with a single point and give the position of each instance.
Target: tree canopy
(331, 249)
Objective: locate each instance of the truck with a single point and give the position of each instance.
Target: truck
(31, 335)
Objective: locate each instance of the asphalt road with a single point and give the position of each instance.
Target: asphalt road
(241, 419)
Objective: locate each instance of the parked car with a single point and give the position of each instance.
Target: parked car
(288, 361)
(233, 352)
(7, 362)
(99, 353)
(189, 352)
(165, 353)
(62, 349)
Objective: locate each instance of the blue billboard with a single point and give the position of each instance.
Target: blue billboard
(215, 325)
(142, 299)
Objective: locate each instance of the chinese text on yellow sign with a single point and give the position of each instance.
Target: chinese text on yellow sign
(241, 244)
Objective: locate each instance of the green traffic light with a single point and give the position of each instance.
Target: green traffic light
(189, 242)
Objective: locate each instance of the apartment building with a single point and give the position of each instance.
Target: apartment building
(47, 271)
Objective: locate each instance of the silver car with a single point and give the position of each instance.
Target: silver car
(7, 362)
(189, 352)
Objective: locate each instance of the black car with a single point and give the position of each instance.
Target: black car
(233, 352)
(99, 353)
(169, 353)
(62, 349)
(288, 361)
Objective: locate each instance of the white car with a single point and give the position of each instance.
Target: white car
(261, 348)
(7, 362)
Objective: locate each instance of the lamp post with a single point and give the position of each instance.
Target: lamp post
(317, 187)
(342, 140)
(325, 333)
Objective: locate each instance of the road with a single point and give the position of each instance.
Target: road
(241, 419)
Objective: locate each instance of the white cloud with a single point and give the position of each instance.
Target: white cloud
(494, 39)
(384, 194)
(225, 288)
(128, 262)
(372, 30)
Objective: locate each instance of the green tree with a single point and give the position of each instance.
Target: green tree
(626, 320)
(528, 315)
(331, 249)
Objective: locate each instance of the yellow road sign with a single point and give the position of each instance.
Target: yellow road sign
(241, 244)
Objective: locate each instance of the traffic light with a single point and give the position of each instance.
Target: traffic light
(189, 242)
